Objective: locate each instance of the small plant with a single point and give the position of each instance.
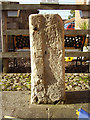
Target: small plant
(72, 14)
(83, 25)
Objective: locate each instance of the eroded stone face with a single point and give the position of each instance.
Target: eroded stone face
(47, 58)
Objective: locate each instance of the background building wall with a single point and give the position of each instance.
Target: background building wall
(89, 19)
(78, 19)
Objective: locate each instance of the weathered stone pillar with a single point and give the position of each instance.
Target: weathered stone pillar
(47, 58)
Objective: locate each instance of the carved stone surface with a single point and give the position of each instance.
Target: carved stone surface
(47, 58)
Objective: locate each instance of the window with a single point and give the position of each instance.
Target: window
(72, 26)
(69, 26)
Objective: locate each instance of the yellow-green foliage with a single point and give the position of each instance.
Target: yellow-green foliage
(83, 25)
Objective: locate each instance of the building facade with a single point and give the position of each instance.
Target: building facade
(81, 23)
(50, 1)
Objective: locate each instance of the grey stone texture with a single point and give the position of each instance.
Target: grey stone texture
(47, 58)
(0, 105)
(17, 104)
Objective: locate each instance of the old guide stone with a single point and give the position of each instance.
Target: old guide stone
(47, 58)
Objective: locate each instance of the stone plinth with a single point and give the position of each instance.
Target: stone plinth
(47, 58)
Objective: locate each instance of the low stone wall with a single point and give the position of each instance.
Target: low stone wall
(22, 81)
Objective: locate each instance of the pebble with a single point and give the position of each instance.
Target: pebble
(83, 87)
(87, 86)
(18, 89)
(79, 85)
(77, 79)
(24, 83)
(76, 74)
(77, 88)
(70, 87)
(75, 84)
(81, 82)
(2, 87)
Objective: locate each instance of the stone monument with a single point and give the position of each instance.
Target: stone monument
(47, 58)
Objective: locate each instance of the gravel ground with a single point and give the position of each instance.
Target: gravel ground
(77, 81)
(15, 82)
(22, 82)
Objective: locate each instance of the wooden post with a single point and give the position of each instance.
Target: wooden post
(0, 39)
(89, 33)
(85, 2)
(4, 41)
(89, 67)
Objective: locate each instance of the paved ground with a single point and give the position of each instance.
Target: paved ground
(0, 105)
(17, 104)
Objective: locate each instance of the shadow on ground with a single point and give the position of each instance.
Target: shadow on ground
(74, 97)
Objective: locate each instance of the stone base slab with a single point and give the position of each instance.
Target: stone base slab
(17, 104)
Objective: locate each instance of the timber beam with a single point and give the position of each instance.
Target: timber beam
(26, 32)
(27, 54)
(45, 7)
